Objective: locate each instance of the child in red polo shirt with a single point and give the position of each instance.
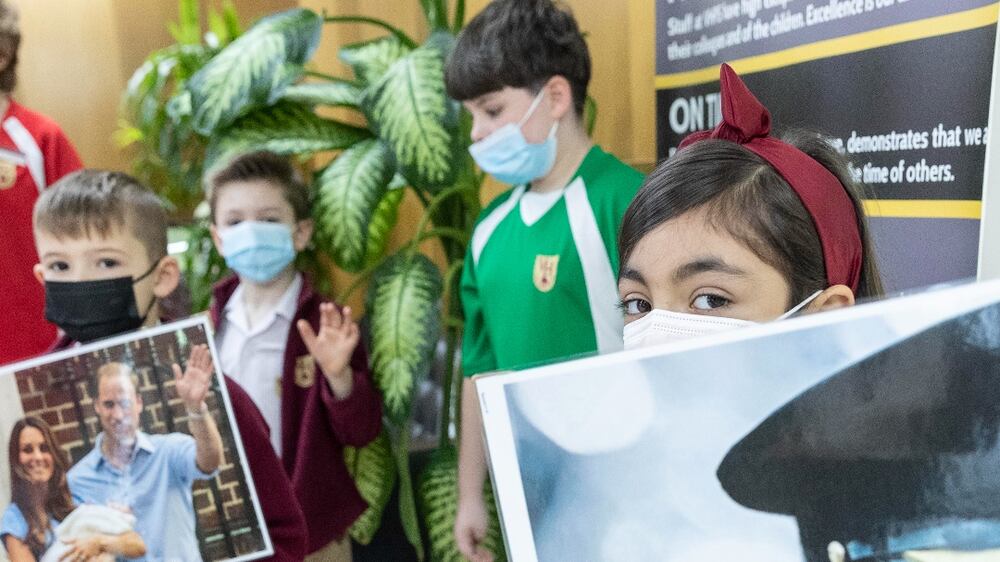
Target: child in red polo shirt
(297, 356)
(34, 153)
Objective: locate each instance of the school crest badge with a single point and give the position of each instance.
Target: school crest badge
(305, 371)
(546, 268)
(8, 174)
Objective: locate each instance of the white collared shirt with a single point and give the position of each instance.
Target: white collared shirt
(254, 357)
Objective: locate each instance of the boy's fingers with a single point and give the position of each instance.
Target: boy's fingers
(335, 318)
(178, 374)
(307, 333)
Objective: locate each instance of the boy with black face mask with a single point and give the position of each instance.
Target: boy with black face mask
(102, 244)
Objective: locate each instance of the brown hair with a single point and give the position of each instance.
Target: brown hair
(263, 166)
(89, 202)
(10, 41)
(747, 198)
(57, 499)
(117, 369)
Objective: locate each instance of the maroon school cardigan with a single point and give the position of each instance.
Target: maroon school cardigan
(284, 519)
(315, 425)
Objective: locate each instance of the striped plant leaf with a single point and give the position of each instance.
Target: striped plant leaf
(285, 128)
(438, 494)
(409, 110)
(382, 223)
(348, 192)
(243, 75)
(371, 59)
(405, 322)
(374, 471)
(337, 94)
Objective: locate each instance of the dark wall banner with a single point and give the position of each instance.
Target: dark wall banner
(902, 86)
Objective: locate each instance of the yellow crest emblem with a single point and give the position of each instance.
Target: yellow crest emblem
(305, 371)
(546, 268)
(8, 174)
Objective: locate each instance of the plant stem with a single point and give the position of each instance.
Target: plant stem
(434, 203)
(442, 14)
(423, 198)
(329, 77)
(363, 276)
(453, 329)
(403, 37)
(451, 338)
(456, 234)
(459, 21)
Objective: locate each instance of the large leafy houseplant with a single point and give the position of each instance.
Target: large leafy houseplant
(196, 104)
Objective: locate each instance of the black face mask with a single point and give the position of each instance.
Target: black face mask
(92, 310)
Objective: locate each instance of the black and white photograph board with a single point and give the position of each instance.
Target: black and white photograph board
(872, 430)
(107, 428)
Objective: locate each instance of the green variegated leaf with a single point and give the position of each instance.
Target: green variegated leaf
(243, 75)
(374, 471)
(438, 494)
(371, 59)
(382, 222)
(285, 128)
(348, 192)
(409, 110)
(405, 320)
(343, 94)
(283, 78)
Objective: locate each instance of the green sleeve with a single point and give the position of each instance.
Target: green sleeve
(477, 351)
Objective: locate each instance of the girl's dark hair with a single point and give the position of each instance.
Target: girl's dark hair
(520, 44)
(745, 197)
(36, 505)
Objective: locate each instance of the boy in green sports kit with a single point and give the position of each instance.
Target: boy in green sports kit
(540, 278)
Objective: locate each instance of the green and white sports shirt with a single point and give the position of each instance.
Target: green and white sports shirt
(540, 277)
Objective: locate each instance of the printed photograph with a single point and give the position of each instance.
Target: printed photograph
(865, 435)
(126, 449)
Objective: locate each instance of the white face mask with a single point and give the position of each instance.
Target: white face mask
(663, 326)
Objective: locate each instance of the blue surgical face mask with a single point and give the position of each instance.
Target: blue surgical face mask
(506, 155)
(258, 251)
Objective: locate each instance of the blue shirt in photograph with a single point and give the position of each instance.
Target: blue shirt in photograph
(156, 485)
(15, 525)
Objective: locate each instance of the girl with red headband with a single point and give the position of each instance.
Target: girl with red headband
(741, 227)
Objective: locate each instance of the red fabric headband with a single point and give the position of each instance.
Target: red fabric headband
(747, 122)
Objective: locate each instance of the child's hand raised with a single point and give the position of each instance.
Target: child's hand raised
(333, 346)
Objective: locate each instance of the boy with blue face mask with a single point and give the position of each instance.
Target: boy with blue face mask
(539, 281)
(102, 244)
(298, 357)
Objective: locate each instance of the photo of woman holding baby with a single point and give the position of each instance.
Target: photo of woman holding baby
(41, 501)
